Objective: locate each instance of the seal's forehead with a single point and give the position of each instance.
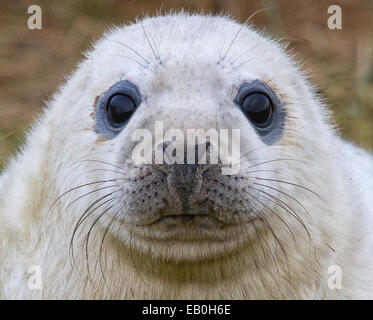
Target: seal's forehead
(175, 38)
(187, 50)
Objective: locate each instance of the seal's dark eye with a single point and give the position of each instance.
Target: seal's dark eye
(120, 108)
(115, 108)
(262, 107)
(258, 108)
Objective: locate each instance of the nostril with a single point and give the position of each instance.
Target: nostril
(162, 146)
(208, 144)
(165, 145)
(184, 179)
(199, 153)
(184, 171)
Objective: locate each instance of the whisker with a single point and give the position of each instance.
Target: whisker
(132, 258)
(235, 59)
(270, 229)
(129, 58)
(128, 47)
(263, 170)
(88, 193)
(285, 194)
(277, 216)
(101, 247)
(82, 219)
(102, 162)
(116, 152)
(292, 184)
(106, 170)
(260, 238)
(115, 217)
(284, 206)
(150, 45)
(240, 29)
(270, 250)
(269, 161)
(156, 47)
(86, 239)
(81, 186)
(252, 150)
(243, 62)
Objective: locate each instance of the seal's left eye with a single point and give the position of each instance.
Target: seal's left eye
(258, 108)
(120, 108)
(262, 107)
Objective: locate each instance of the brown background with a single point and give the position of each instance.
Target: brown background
(34, 62)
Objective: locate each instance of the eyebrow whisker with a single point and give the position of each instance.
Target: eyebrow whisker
(128, 47)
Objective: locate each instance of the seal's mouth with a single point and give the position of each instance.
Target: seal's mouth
(185, 227)
(187, 218)
(191, 226)
(182, 219)
(201, 214)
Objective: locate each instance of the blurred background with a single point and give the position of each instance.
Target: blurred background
(34, 62)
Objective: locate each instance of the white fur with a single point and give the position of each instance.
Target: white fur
(186, 88)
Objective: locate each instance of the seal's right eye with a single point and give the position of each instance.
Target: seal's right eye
(116, 107)
(119, 109)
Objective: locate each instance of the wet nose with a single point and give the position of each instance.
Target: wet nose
(185, 179)
(193, 155)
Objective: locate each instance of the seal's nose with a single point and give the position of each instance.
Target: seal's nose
(185, 181)
(185, 178)
(197, 154)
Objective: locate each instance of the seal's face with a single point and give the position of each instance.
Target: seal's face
(153, 82)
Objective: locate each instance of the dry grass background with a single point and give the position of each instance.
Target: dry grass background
(34, 62)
